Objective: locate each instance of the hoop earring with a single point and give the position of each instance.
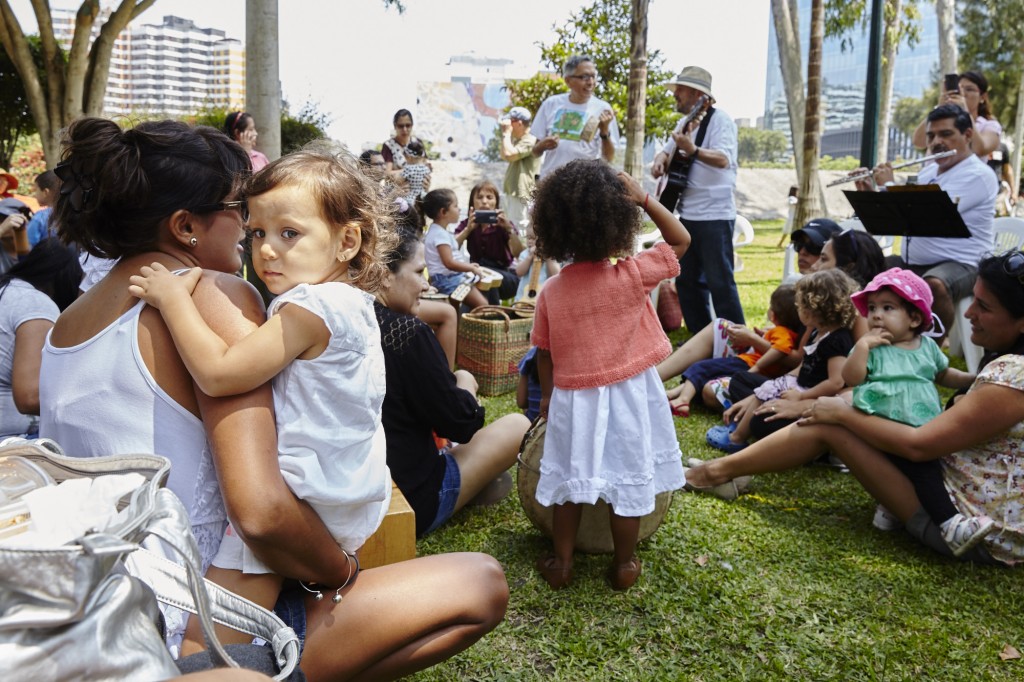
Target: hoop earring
(193, 242)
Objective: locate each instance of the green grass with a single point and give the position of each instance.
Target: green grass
(788, 582)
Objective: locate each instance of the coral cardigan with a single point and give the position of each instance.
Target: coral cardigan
(597, 321)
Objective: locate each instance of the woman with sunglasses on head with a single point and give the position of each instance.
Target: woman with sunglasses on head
(113, 382)
(968, 460)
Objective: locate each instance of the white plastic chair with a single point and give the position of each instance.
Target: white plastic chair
(742, 235)
(885, 241)
(1008, 234)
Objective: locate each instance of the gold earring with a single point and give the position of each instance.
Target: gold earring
(193, 242)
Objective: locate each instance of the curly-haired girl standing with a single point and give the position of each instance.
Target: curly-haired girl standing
(610, 434)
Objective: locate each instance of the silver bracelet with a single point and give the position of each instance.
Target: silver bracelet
(352, 573)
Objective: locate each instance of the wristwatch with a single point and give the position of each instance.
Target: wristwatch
(604, 136)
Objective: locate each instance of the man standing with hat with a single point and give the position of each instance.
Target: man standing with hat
(707, 206)
(517, 148)
(575, 124)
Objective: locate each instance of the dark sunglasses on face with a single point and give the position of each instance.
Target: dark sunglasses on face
(241, 205)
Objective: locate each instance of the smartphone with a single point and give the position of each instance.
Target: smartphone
(951, 82)
(485, 217)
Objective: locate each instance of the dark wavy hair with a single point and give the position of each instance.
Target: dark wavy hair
(783, 307)
(408, 240)
(399, 114)
(480, 186)
(581, 212)
(858, 255)
(118, 186)
(345, 195)
(52, 268)
(961, 118)
(235, 123)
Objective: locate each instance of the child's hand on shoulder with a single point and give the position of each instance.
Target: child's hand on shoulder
(633, 188)
(158, 286)
(875, 337)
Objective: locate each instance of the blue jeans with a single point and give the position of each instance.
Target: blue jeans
(706, 268)
(451, 484)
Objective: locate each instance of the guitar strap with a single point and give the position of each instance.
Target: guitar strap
(702, 129)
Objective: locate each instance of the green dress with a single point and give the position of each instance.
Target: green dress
(901, 383)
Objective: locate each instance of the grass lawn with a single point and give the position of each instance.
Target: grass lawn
(788, 582)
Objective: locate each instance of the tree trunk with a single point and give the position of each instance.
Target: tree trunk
(945, 12)
(809, 203)
(1018, 135)
(637, 102)
(889, 47)
(787, 35)
(99, 56)
(263, 84)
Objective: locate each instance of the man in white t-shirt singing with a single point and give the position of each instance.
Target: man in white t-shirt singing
(575, 124)
(708, 208)
(949, 265)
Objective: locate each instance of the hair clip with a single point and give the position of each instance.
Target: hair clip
(72, 187)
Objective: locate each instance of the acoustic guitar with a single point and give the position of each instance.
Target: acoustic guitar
(534, 285)
(672, 184)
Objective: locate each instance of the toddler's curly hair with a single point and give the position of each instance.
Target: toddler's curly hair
(581, 212)
(826, 294)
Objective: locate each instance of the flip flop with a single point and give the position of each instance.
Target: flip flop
(680, 410)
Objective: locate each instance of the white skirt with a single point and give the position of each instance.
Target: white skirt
(616, 443)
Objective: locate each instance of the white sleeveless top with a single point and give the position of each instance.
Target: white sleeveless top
(98, 398)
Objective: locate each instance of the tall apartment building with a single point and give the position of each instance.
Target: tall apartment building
(173, 68)
(844, 76)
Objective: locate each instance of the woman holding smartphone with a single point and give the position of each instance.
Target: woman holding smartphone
(969, 91)
(493, 240)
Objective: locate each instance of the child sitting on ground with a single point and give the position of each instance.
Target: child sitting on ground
(823, 303)
(893, 369)
(738, 349)
(321, 237)
(446, 264)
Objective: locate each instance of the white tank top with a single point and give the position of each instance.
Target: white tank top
(98, 398)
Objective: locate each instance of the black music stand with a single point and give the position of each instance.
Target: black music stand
(909, 211)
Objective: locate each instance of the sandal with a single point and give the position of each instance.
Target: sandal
(729, 490)
(718, 438)
(555, 574)
(623, 576)
(680, 410)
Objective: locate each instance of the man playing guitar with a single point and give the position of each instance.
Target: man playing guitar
(707, 206)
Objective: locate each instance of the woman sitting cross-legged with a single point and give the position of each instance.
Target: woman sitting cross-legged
(424, 397)
(967, 461)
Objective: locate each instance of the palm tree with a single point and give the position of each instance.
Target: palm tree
(810, 205)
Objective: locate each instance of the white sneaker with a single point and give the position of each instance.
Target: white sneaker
(885, 520)
(962, 533)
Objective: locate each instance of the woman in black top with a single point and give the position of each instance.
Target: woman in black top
(424, 397)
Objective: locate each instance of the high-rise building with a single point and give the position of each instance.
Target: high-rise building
(844, 75)
(172, 68)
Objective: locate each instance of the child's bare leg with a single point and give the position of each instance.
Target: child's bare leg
(625, 568)
(699, 347)
(557, 569)
(742, 432)
(710, 400)
(262, 589)
(681, 402)
(476, 298)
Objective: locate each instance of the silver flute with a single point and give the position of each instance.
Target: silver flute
(868, 174)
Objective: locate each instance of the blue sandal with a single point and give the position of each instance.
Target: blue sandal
(718, 438)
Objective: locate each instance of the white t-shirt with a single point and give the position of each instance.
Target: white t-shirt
(20, 302)
(558, 116)
(709, 190)
(972, 185)
(436, 236)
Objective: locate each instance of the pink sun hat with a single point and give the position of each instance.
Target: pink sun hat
(904, 284)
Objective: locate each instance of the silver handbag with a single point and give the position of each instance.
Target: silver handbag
(88, 609)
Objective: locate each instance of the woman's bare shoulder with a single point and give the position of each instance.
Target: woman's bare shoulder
(222, 297)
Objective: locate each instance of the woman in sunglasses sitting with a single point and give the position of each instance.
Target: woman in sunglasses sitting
(968, 460)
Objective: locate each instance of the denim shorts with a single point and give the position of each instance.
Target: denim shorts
(449, 495)
(446, 283)
(291, 608)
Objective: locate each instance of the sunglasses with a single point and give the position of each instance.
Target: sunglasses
(853, 241)
(585, 77)
(1013, 265)
(240, 205)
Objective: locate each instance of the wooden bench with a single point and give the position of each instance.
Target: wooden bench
(395, 540)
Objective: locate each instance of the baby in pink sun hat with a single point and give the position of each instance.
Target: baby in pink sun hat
(894, 368)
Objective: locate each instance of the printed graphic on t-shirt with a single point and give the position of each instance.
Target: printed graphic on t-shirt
(570, 124)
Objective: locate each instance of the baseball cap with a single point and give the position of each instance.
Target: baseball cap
(814, 234)
(520, 114)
